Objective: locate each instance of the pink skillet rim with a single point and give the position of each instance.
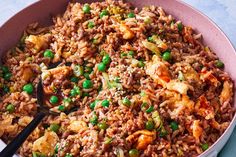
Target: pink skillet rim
(43, 10)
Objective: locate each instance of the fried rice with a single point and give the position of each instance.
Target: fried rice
(143, 82)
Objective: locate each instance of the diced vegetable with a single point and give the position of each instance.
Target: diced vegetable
(87, 84)
(106, 59)
(86, 75)
(68, 155)
(141, 64)
(174, 125)
(219, 64)
(91, 24)
(149, 125)
(166, 56)
(108, 140)
(103, 125)
(156, 119)
(29, 88)
(133, 153)
(181, 76)
(74, 79)
(93, 104)
(131, 15)
(94, 119)
(53, 99)
(163, 132)
(48, 54)
(131, 53)
(75, 91)
(4, 69)
(160, 44)
(126, 31)
(10, 108)
(105, 103)
(86, 9)
(78, 70)
(61, 108)
(101, 67)
(54, 127)
(126, 102)
(88, 69)
(37, 154)
(150, 109)
(180, 26)
(104, 13)
(7, 76)
(205, 146)
(152, 47)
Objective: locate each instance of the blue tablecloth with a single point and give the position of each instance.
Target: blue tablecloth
(222, 12)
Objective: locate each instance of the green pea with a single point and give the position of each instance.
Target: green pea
(54, 127)
(86, 75)
(7, 76)
(88, 69)
(219, 64)
(92, 105)
(28, 88)
(131, 53)
(37, 154)
(105, 103)
(6, 89)
(150, 39)
(104, 13)
(68, 155)
(133, 153)
(86, 9)
(48, 54)
(149, 125)
(87, 84)
(174, 125)
(106, 59)
(5, 69)
(91, 24)
(101, 67)
(67, 100)
(94, 120)
(126, 102)
(61, 108)
(180, 27)
(85, 94)
(53, 99)
(163, 132)
(166, 56)
(141, 64)
(150, 109)
(74, 79)
(75, 91)
(10, 108)
(205, 146)
(131, 15)
(102, 125)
